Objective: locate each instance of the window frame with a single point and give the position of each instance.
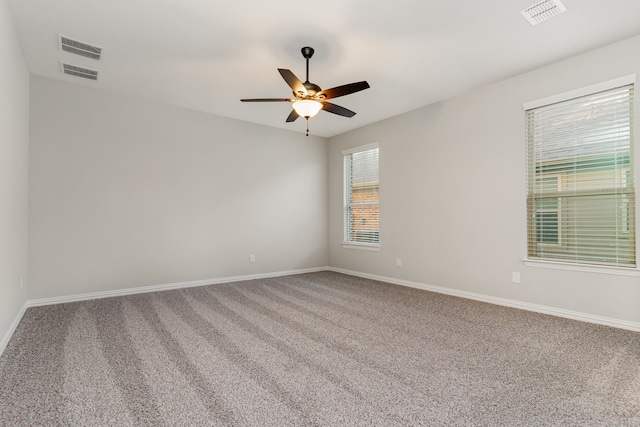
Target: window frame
(346, 204)
(577, 264)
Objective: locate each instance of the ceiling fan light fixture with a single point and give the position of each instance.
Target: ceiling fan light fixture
(307, 108)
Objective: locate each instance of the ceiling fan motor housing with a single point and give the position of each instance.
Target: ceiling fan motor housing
(312, 89)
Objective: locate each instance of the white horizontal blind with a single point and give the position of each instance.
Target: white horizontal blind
(581, 194)
(362, 197)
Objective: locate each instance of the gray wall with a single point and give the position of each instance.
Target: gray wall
(127, 193)
(14, 156)
(453, 193)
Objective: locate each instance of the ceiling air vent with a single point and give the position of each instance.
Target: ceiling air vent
(542, 11)
(74, 70)
(79, 48)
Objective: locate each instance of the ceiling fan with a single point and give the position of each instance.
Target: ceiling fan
(309, 98)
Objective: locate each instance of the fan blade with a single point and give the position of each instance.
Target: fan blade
(267, 100)
(336, 109)
(343, 90)
(293, 116)
(293, 82)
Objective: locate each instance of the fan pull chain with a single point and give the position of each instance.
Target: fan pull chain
(307, 118)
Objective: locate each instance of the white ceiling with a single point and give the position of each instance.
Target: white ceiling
(207, 54)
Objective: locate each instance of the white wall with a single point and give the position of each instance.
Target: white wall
(453, 193)
(127, 193)
(14, 156)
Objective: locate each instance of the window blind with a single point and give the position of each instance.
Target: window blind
(580, 177)
(362, 197)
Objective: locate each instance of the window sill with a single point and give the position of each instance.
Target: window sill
(601, 269)
(361, 246)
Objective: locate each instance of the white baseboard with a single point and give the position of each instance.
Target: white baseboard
(165, 287)
(553, 311)
(12, 328)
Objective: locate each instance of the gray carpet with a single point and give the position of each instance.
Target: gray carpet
(314, 349)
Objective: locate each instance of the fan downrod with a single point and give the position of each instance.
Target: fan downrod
(307, 52)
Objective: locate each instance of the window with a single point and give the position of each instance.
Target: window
(581, 195)
(362, 196)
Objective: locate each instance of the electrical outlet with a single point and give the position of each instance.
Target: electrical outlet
(252, 258)
(398, 262)
(515, 277)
